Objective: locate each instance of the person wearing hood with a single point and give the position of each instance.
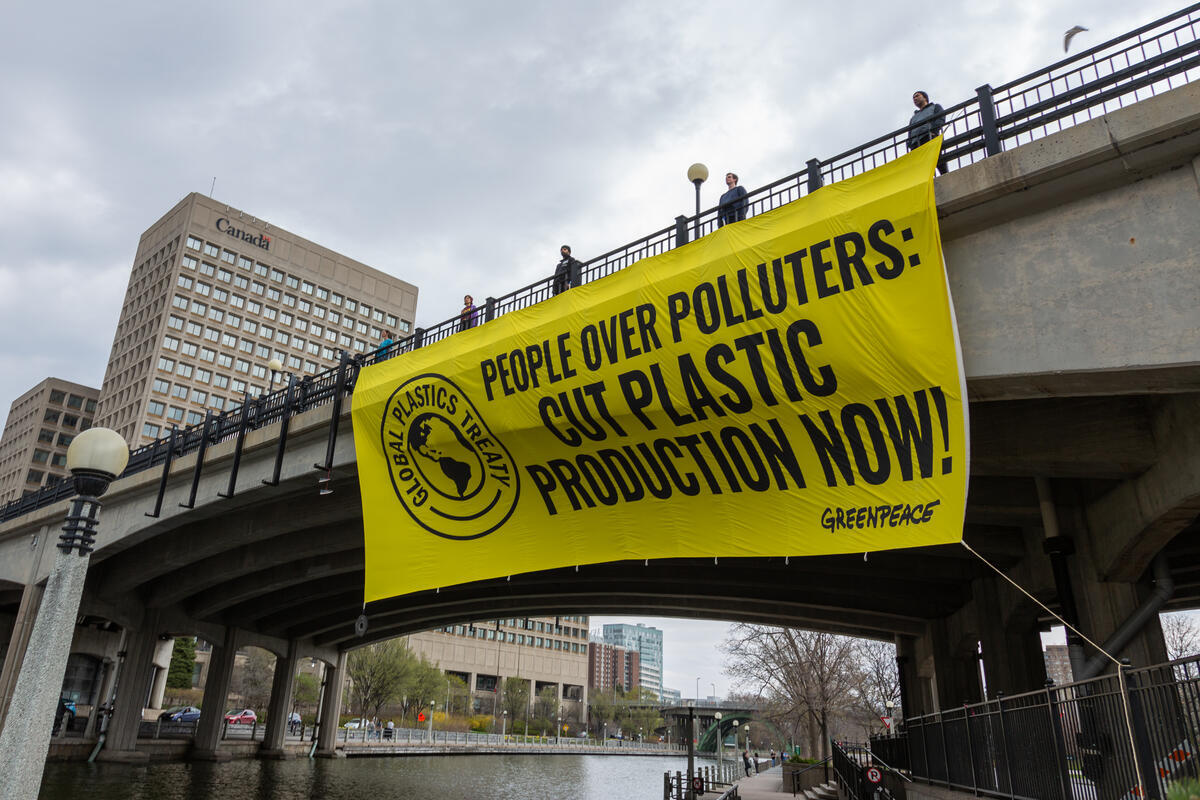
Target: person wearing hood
(926, 123)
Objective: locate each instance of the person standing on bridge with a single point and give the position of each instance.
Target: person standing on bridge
(566, 273)
(469, 316)
(732, 206)
(746, 761)
(926, 123)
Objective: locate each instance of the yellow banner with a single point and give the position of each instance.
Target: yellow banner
(787, 385)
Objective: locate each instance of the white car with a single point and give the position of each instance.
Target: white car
(356, 723)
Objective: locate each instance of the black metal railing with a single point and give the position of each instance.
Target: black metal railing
(1140, 64)
(1084, 739)
(864, 775)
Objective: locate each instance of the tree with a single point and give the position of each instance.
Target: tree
(877, 682)
(460, 695)
(183, 663)
(601, 710)
(804, 677)
(1182, 634)
(547, 703)
(307, 691)
(253, 678)
(516, 698)
(378, 673)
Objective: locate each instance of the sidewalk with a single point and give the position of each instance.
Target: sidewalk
(766, 784)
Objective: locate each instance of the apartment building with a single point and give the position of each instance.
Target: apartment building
(612, 667)
(214, 295)
(41, 424)
(647, 641)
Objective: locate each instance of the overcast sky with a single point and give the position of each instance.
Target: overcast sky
(453, 144)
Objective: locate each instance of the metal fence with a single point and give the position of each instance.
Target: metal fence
(1062, 743)
(1142, 63)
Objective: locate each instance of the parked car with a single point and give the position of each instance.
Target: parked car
(355, 723)
(180, 714)
(187, 714)
(244, 717)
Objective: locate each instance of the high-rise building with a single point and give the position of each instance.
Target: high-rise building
(548, 654)
(611, 667)
(41, 424)
(214, 295)
(648, 642)
(1058, 664)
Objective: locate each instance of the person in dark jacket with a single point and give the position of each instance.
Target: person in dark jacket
(469, 316)
(926, 123)
(567, 272)
(746, 761)
(732, 206)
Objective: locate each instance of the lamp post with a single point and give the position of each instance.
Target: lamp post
(503, 724)
(691, 707)
(431, 705)
(558, 731)
(697, 174)
(891, 719)
(276, 367)
(95, 458)
(720, 739)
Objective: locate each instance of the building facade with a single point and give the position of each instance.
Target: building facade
(1058, 664)
(544, 652)
(41, 424)
(648, 643)
(214, 295)
(611, 667)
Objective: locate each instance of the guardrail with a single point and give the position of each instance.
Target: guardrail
(1063, 742)
(1142, 63)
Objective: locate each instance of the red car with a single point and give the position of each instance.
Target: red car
(244, 717)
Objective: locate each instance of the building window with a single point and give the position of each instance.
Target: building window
(150, 431)
(391, 320)
(224, 360)
(180, 391)
(221, 296)
(203, 289)
(221, 381)
(241, 282)
(175, 323)
(46, 436)
(377, 315)
(203, 375)
(258, 371)
(193, 243)
(250, 326)
(156, 408)
(184, 370)
(166, 364)
(66, 438)
(293, 362)
(175, 414)
(245, 263)
(335, 298)
(351, 305)
(217, 402)
(89, 406)
(161, 386)
(289, 300)
(228, 257)
(208, 269)
(194, 328)
(170, 343)
(216, 314)
(189, 349)
(234, 320)
(293, 282)
(41, 456)
(194, 417)
(199, 308)
(34, 476)
(211, 250)
(242, 365)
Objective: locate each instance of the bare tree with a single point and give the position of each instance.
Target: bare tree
(1182, 634)
(805, 677)
(252, 678)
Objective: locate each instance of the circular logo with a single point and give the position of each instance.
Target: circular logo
(449, 470)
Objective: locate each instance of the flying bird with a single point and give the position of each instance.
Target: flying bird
(1069, 35)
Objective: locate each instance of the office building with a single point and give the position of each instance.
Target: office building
(545, 652)
(648, 643)
(611, 667)
(41, 424)
(1058, 664)
(214, 295)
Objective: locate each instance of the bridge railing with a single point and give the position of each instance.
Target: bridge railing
(1142, 63)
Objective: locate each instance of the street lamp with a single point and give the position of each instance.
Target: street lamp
(503, 724)
(431, 706)
(276, 366)
(95, 458)
(558, 731)
(691, 707)
(891, 720)
(697, 174)
(720, 739)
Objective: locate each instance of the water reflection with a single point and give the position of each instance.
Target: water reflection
(461, 777)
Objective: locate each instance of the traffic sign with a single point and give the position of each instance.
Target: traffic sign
(874, 775)
(421, 716)
(887, 722)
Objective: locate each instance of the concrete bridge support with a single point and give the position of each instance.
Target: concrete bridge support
(1010, 638)
(133, 686)
(18, 641)
(331, 707)
(281, 699)
(216, 689)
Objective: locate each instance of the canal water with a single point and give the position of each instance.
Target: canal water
(459, 777)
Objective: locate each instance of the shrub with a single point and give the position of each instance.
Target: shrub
(1188, 789)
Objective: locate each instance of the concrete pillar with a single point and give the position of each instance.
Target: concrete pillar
(212, 717)
(955, 665)
(158, 688)
(1010, 638)
(331, 707)
(281, 701)
(31, 601)
(1103, 605)
(108, 674)
(133, 686)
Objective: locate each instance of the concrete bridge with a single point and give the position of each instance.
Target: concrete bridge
(1073, 264)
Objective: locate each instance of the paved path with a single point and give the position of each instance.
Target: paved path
(766, 784)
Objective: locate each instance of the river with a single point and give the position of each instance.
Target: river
(460, 777)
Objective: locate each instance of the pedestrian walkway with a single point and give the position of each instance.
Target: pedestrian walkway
(766, 784)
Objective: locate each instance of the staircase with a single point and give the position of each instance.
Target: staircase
(826, 791)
